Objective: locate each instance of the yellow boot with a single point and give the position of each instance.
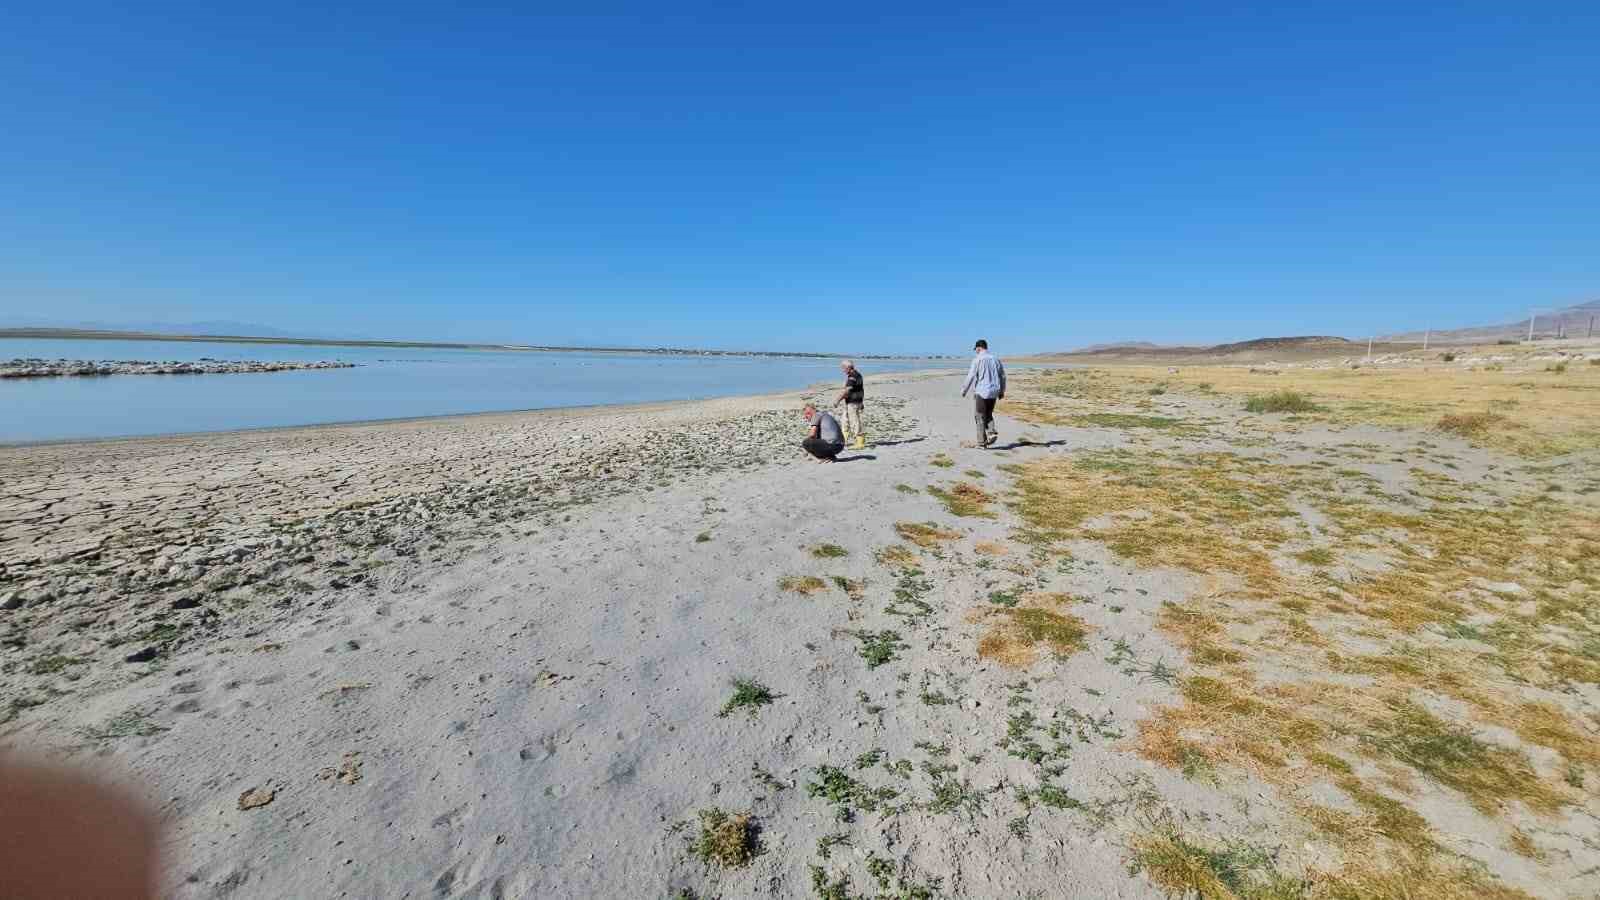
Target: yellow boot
(861, 442)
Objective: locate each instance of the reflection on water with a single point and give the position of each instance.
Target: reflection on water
(387, 383)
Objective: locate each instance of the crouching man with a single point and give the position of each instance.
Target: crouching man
(825, 439)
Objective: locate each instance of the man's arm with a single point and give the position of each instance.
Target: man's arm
(842, 394)
(972, 376)
(1001, 368)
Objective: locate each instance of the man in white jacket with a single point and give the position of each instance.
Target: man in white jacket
(987, 382)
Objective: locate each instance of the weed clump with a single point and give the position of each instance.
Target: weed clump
(896, 556)
(829, 551)
(1020, 632)
(1471, 424)
(1280, 401)
(804, 585)
(748, 694)
(966, 500)
(879, 647)
(729, 841)
(925, 534)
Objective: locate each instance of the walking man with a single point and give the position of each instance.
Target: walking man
(825, 440)
(853, 395)
(987, 382)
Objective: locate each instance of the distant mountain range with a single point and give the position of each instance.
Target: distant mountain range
(1571, 321)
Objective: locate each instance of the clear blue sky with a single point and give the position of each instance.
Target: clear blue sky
(854, 177)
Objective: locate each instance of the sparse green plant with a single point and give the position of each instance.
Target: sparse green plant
(1004, 598)
(829, 551)
(942, 461)
(870, 758)
(906, 488)
(827, 842)
(878, 647)
(847, 794)
(54, 663)
(766, 779)
(129, 723)
(702, 538)
(749, 695)
(973, 473)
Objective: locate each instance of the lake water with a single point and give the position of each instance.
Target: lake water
(387, 383)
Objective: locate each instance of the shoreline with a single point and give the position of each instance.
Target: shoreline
(587, 408)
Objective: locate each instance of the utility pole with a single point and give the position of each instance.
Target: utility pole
(1425, 335)
(1591, 326)
(1369, 348)
(1531, 318)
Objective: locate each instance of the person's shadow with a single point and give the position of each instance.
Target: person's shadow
(899, 442)
(858, 456)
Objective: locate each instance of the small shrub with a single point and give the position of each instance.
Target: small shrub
(1280, 401)
(829, 551)
(702, 537)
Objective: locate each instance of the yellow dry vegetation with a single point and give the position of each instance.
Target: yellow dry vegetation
(1477, 602)
(1519, 408)
(1016, 635)
(925, 534)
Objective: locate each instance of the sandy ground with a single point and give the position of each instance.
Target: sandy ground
(485, 656)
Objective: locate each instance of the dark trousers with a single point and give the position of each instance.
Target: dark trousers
(820, 448)
(983, 415)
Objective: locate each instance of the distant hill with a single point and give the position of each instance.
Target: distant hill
(1571, 321)
(1124, 345)
(1258, 350)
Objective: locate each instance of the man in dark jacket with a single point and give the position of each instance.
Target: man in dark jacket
(853, 397)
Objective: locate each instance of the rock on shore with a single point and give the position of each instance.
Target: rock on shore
(54, 368)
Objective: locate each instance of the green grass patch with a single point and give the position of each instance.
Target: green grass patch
(748, 694)
(1280, 401)
(829, 551)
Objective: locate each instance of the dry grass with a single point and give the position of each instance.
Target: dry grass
(1542, 413)
(1234, 521)
(805, 585)
(896, 556)
(1016, 635)
(1469, 425)
(728, 841)
(990, 548)
(925, 534)
(966, 500)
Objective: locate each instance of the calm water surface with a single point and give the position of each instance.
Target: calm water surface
(387, 383)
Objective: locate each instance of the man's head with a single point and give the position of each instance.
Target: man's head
(847, 364)
(980, 346)
(809, 411)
